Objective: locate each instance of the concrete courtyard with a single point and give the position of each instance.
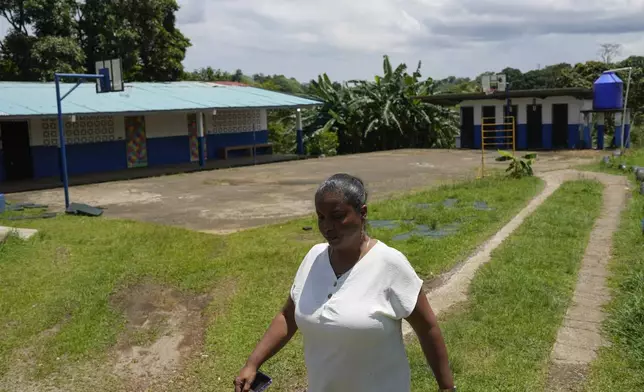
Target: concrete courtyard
(227, 200)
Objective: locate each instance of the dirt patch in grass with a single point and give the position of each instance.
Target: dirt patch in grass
(163, 334)
(164, 327)
(567, 377)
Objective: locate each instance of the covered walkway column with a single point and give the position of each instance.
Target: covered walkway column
(299, 136)
(619, 123)
(601, 130)
(587, 140)
(627, 130)
(200, 139)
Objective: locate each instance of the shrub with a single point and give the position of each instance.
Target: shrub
(322, 143)
(519, 166)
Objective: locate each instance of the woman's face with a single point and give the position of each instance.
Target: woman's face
(340, 224)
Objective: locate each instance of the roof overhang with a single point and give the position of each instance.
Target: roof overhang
(455, 99)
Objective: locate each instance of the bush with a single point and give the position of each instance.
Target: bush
(282, 137)
(322, 143)
(519, 166)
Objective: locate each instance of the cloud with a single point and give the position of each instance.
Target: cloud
(303, 38)
(347, 38)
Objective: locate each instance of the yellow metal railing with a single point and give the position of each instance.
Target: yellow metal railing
(495, 135)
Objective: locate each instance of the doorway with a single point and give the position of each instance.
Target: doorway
(560, 125)
(16, 150)
(535, 127)
(467, 127)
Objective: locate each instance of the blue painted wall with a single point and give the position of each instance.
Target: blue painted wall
(111, 156)
(96, 157)
(546, 136)
(168, 150)
(477, 136)
(45, 160)
(218, 141)
(81, 158)
(627, 133)
(573, 135)
(522, 136)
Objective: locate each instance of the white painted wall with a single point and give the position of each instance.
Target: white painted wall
(166, 125)
(478, 113)
(87, 129)
(574, 108)
(236, 121)
(95, 129)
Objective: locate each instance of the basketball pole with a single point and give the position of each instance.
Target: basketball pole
(105, 78)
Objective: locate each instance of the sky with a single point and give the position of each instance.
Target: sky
(347, 38)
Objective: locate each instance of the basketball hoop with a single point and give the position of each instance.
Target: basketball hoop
(493, 83)
(114, 72)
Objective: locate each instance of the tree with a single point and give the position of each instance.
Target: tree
(48, 36)
(608, 51)
(41, 40)
(383, 114)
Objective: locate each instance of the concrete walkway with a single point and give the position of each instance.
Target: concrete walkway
(23, 234)
(579, 337)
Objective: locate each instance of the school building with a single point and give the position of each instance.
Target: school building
(546, 119)
(148, 124)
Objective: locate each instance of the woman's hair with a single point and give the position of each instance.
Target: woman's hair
(351, 188)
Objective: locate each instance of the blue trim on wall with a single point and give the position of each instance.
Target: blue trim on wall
(546, 136)
(477, 136)
(168, 150)
(217, 141)
(81, 158)
(573, 135)
(522, 136)
(601, 130)
(45, 160)
(587, 141)
(111, 156)
(96, 157)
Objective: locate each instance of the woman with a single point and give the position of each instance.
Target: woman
(349, 298)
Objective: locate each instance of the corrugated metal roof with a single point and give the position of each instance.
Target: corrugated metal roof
(19, 99)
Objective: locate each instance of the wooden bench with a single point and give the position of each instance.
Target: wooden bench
(251, 148)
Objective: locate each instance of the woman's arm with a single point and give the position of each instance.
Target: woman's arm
(424, 323)
(281, 330)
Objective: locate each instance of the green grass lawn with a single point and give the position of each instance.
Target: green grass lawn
(501, 339)
(67, 276)
(620, 367)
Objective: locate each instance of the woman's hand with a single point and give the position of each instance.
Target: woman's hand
(245, 379)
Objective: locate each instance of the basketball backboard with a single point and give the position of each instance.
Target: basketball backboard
(113, 70)
(493, 83)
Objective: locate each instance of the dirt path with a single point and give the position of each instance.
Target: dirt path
(227, 200)
(580, 337)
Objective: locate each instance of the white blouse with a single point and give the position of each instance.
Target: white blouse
(352, 325)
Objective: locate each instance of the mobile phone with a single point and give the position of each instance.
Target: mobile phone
(261, 383)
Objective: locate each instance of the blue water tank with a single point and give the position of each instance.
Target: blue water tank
(608, 92)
